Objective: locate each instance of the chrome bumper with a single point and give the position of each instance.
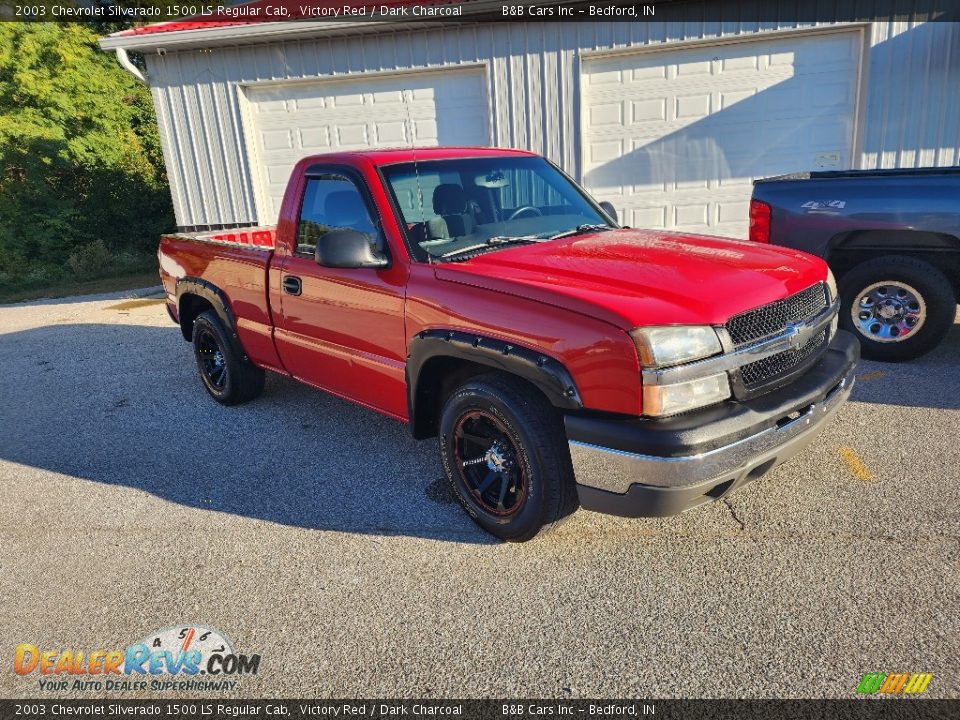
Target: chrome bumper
(615, 471)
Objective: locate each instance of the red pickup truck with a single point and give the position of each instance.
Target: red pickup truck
(481, 296)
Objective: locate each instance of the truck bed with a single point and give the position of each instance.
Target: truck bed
(834, 174)
(260, 237)
(237, 262)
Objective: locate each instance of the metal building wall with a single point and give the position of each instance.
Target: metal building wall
(910, 112)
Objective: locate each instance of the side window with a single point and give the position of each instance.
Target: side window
(331, 202)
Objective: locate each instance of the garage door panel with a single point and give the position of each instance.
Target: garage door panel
(310, 103)
(290, 121)
(647, 217)
(606, 114)
(748, 63)
(391, 132)
(318, 137)
(692, 215)
(648, 110)
(352, 136)
(675, 128)
(732, 213)
(691, 106)
(277, 139)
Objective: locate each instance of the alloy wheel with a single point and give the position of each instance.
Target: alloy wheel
(490, 463)
(212, 362)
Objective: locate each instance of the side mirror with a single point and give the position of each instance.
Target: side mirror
(610, 210)
(348, 249)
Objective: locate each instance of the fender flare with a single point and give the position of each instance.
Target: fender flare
(549, 375)
(211, 293)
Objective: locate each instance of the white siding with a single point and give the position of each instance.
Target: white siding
(909, 116)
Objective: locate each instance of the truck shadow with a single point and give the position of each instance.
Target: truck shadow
(931, 381)
(122, 405)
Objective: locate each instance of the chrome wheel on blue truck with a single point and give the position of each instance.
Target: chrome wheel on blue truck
(899, 307)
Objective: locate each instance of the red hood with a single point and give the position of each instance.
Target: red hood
(641, 277)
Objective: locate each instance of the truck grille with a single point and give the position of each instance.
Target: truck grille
(776, 366)
(770, 320)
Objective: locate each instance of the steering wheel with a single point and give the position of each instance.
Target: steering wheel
(525, 209)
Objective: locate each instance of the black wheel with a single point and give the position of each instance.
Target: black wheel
(899, 307)
(505, 455)
(228, 377)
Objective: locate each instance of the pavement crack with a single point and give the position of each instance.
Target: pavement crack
(733, 513)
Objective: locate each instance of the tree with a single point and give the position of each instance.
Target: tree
(80, 159)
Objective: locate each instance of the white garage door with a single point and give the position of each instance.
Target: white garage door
(287, 122)
(674, 138)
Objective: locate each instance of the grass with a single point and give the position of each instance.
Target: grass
(68, 287)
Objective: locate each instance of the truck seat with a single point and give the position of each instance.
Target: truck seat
(456, 212)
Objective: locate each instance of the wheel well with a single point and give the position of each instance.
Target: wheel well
(190, 308)
(941, 250)
(440, 376)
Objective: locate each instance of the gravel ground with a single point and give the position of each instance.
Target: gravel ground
(315, 533)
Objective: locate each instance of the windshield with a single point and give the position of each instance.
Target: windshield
(453, 208)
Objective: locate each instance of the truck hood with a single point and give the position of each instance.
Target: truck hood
(642, 277)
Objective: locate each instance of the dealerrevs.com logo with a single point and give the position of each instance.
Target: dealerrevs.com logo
(182, 657)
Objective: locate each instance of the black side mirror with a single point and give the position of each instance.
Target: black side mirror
(610, 210)
(348, 249)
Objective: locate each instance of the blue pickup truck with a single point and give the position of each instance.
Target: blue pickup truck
(892, 238)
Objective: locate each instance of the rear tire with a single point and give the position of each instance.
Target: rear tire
(506, 457)
(898, 307)
(227, 375)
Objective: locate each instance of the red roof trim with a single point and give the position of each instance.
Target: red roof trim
(255, 12)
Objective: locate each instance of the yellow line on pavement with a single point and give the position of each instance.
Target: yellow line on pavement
(855, 464)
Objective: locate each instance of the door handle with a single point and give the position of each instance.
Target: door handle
(292, 284)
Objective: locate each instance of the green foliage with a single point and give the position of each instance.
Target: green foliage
(82, 186)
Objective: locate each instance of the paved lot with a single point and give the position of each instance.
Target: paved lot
(314, 533)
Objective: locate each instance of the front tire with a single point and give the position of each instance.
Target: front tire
(229, 377)
(505, 455)
(898, 307)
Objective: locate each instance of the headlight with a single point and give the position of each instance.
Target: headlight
(659, 400)
(832, 284)
(672, 345)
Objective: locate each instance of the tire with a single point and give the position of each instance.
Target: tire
(230, 378)
(916, 293)
(502, 422)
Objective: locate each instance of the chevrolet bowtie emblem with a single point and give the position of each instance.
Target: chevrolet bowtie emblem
(797, 334)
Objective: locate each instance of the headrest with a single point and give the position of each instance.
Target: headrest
(449, 199)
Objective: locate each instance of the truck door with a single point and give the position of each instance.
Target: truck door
(339, 329)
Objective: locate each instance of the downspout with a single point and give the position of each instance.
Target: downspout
(129, 66)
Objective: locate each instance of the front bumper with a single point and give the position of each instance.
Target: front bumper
(637, 467)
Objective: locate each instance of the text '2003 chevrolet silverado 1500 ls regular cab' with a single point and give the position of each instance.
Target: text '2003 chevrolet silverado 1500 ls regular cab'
(482, 297)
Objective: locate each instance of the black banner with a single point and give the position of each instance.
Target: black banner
(218, 11)
(865, 709)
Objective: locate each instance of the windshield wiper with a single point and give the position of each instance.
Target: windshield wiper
(581, 230)
(511, 239)
(494, 242)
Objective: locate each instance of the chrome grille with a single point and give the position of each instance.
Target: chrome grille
(776, 366)
(772, 319)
